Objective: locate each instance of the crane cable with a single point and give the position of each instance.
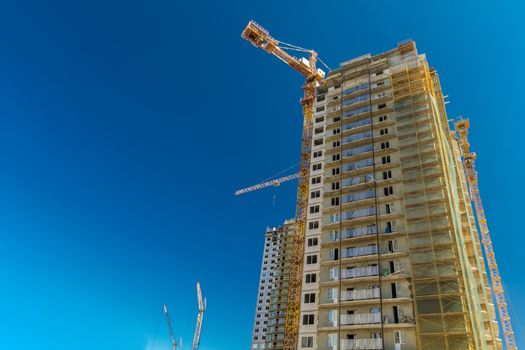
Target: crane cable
(279, 173)
(161, 316)
(298, 48)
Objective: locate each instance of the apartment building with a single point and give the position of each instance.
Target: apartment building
(270, 313)
(392, 254)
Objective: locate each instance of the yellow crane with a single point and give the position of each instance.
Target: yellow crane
(260, 37)
(469, 157)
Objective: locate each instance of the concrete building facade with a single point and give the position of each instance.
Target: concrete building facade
(392, 254)
(270, 313)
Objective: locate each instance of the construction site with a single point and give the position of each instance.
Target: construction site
(389, 247)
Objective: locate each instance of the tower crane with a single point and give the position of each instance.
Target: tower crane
(173, 341)
(260, 37)
(200, 316)
(469, 158)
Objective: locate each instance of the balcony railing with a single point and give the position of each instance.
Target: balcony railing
(356, 137)
(359, 251)
(358, 165)
(355, 88)
(357, 180)
(360, 272)
(352, 214)
(360, 231)
(361, 318)
(356, 100)
(360, 294)
(355, 344)
(356, 112)
(356, 124)
(357, 196)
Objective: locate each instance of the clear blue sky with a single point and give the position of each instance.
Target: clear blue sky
(127, 125)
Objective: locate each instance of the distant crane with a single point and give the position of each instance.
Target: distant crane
(173, 341)
(200, 316)
(469, 157)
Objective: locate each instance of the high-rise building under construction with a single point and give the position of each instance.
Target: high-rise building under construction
(270, 313)
(399, 263)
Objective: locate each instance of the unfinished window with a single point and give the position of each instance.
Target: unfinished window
(315, 194)
(385, 159)
(336, 144)
(336, 131)
(310, 278)
(314, 209)
(382, 118)
(383, 131)
(317, 166)
(313, 225)
(387, 175)
(335, 201)
(388, 191)
(381, 106)
(385, 145)
(319, 130)
(312, 242)
(335, 186)
(318, 142)
(316, 180)
(336, 157)
(319, 119)
(311, 259)
(309, 298)
(308, 319)
(335, 171)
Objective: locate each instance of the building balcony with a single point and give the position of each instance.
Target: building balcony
(354, 344)
(359, 272)
(360, 294)
(357, 319)
(357, 124)
(358, 251)
(359, 232)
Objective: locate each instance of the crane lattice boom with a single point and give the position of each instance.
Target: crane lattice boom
(260, 37)
(497, 287)
(200, 316)
(276, 182)
(173, 342)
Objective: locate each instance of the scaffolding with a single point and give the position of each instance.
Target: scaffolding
(447, 299)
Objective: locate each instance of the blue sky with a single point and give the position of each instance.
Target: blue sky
(127, 125)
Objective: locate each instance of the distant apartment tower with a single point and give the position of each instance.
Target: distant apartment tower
(393, 258)
(270, 313)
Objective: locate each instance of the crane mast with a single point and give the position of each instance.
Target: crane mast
(469, 158)
(173, 342)
(200, 316)
(260, 37)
